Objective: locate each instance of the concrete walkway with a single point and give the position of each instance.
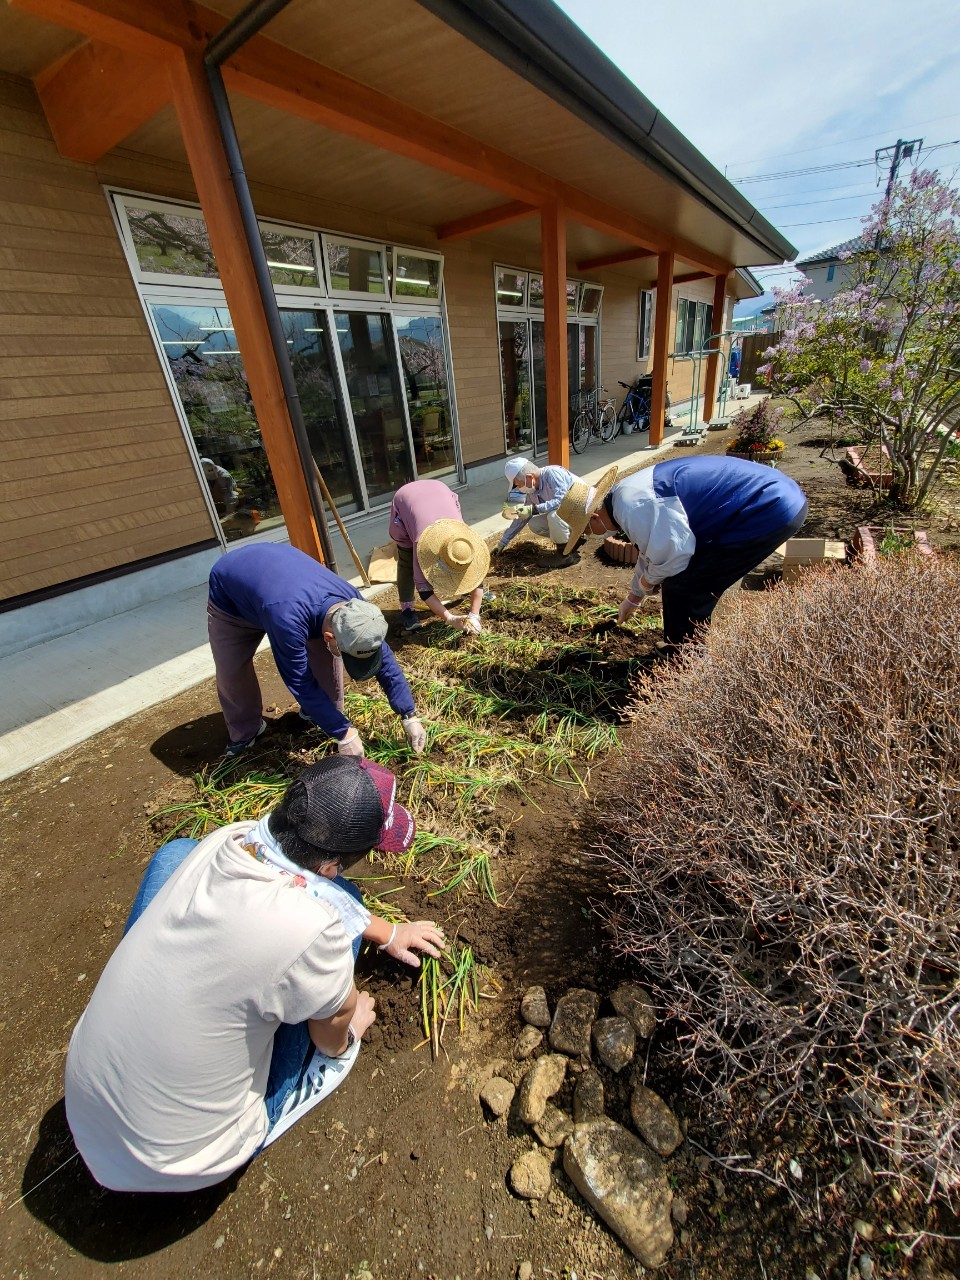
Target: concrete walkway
(66, 690)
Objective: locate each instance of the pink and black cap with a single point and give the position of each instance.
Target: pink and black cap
(345, 806)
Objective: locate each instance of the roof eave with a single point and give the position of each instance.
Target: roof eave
(539, 42)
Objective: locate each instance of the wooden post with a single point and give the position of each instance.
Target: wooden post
(713, 360)
(208, 164)
(553, 250)
(661, 345)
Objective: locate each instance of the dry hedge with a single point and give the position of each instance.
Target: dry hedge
(781, 834)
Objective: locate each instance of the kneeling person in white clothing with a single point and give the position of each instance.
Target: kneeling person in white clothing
(534, 500)
(229, 1008)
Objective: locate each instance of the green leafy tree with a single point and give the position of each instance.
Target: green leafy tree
(883, 355)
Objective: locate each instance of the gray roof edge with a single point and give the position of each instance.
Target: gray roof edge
(537, 40)
(750, 279)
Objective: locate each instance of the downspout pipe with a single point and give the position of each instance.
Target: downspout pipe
(237, 32)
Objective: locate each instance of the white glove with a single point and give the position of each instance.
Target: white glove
(523, 512)
(472, 623)
(628, 608)
(416, 734)
(454, 619)
(350, 744)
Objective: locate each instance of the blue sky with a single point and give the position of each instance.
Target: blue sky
(764, 88)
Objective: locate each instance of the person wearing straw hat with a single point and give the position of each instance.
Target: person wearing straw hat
(318, 626)
(534, 500)
(700, 524)
(579, 504)
(229, 1008)
(438, 556)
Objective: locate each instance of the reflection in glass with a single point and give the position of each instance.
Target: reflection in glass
(171, 243)
(510, 288)
(514, 364)
(415, 277)
(590, 296)
(291, 258)
(536, 292)
(354, 268)
(572, 288)
(428, 400)
(202, 352)
(539, 354)
(370, 367)
(310, 354)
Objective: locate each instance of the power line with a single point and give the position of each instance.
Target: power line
(800, 204)
(830, 168)
(825, 146)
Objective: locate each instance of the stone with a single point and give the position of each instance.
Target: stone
(525, 1270)
(632, 1001)
(588, 1097)
(654, 1121)
(572, 1022)
(496, 1095)
(615, 1041)
(528, 1042)
(679, 1211)
(865, 1266)
(863, 1228)
(529, 1176)
(624, 1181)
(540, 1083)
(554, 1126)
(534, 1008)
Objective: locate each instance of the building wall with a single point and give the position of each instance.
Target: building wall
(95, 472)
(819, 286)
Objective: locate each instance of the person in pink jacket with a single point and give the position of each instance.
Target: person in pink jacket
(439, 556)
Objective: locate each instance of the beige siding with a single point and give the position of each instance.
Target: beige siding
(96, 473)
(474, 341)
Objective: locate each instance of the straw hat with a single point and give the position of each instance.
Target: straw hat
(580, 502)
(452, 558)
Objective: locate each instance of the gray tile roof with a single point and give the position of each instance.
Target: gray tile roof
(831, 255)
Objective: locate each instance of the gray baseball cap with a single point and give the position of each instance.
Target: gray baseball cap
(359, 629)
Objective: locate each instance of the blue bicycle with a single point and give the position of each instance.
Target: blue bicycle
(634, 413)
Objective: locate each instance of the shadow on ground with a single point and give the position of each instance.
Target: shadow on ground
(107, 1226)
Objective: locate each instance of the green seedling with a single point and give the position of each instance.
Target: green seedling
(219, 802)
(475, 867)
(450, 988)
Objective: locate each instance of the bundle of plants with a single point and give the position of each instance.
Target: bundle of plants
(781, 833)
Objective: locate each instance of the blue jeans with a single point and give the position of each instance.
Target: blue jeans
(292, 1046)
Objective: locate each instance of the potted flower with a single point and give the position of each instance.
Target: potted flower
(756, 437)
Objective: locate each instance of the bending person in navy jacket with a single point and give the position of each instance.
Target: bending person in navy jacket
(700, 523)
(317, 625)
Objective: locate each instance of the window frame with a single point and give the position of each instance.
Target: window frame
(410, 299)
(645, 306)
(369, 246)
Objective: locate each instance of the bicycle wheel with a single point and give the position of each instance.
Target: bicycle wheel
(608, 423)
(580, 433)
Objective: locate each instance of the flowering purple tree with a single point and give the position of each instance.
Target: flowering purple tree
(883, 355)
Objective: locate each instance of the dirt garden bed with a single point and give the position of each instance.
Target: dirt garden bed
(402, 1173)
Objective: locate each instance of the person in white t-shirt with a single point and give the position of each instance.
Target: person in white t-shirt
(229, 1008)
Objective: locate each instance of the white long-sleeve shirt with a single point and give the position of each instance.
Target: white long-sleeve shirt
(552, 486)
(658, 526)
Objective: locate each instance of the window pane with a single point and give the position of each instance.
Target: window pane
(200, 346)
(170, 243)
(536, 292)
(515, 366)
(590, 296)
(416, 277)
(510, 288)
(291, 258)
(310, 355)
(539, 351)
(428, 400)
(354, 269)
(572, 289)
(373, 384)
(588, 355)
(646, 316)
(699, 335)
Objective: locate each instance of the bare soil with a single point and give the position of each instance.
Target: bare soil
(400, 1173)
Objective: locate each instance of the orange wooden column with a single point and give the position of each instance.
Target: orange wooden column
(208, 164)
(661, 346)
(553, 251)
(713, 360)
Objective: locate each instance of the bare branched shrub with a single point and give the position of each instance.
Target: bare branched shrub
(783, 845)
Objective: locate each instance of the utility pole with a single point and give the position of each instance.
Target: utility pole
(896, 154)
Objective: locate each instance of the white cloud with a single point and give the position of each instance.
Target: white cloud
(751, 84)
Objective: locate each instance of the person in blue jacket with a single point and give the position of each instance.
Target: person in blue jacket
(700, 524)
(317, 624)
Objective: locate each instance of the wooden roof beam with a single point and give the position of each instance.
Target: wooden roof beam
(615, 259)
(691, 276)
(279, 77)
(486, 220)
(98, 95)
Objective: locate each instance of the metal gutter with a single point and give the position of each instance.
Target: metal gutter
(226, 42)
(539, 42)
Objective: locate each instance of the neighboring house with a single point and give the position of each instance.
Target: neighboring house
(459, 231)
(827, 272)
